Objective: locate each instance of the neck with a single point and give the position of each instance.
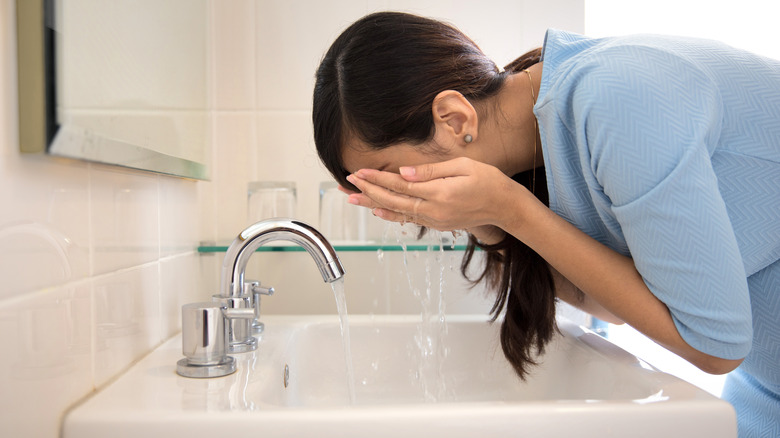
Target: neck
(513, 129)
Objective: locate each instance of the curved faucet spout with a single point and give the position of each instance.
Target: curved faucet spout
(237, 255)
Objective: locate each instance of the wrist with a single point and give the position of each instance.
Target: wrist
(518, 209)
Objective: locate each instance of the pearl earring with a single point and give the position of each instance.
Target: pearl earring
(468, 138)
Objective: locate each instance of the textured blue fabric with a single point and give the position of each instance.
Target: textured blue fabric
(668, 150)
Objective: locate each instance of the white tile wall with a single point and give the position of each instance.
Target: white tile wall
(124, 213)
(233, 134)
(180, 283)
(234, 54)
(180, 217)
(291, 39)
(47, 360)
(95, 261)
(126, 318)
(284, 139)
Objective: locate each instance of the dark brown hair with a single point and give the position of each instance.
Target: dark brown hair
(377, 83)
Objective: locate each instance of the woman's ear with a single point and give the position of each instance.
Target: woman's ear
(454, 117)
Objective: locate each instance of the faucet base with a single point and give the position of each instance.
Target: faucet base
(243, 346)
(186, 369)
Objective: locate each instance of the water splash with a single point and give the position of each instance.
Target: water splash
(400, 234)
(429, 339)
(456, 234)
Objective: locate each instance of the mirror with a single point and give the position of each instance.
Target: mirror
(120, 82)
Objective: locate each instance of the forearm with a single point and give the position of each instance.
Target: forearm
(571, 294)
(608, 277)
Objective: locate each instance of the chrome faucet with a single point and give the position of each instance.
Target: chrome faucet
(237, 255)
(212, 330)
(235, 293)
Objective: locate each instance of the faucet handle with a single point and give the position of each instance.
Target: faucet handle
(248, 313)
(204, 341)
(253, 290)
(239, 312)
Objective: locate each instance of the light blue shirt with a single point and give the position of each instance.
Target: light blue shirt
(668, 150)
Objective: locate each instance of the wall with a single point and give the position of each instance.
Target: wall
(95, 262)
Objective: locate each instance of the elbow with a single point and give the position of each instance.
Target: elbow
(612, 319)
(716, 365)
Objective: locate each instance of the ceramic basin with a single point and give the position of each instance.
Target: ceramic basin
(411, 379)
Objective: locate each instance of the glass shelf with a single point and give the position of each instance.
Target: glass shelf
(353, 247)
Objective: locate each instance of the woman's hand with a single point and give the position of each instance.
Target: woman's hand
(452, 195)
(486, 234)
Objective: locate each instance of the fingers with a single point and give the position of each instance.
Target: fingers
(394, 183)
(345, 190)
(362, 200)
(417, 203)
(388, 180)
(410, 177)
(377, 210)
(431, 171)
(392, 216)
(421, 194)
(375, 195)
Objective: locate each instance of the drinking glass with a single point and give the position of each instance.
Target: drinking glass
(269, 199)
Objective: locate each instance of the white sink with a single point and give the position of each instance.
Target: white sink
(463, 387)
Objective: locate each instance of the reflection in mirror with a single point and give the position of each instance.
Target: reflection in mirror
(125, 82)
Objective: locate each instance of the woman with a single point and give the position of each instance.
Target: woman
(637, 178)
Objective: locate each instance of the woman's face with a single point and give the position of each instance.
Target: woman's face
(358, 156)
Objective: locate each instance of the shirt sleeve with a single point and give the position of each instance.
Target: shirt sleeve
(649, 121)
